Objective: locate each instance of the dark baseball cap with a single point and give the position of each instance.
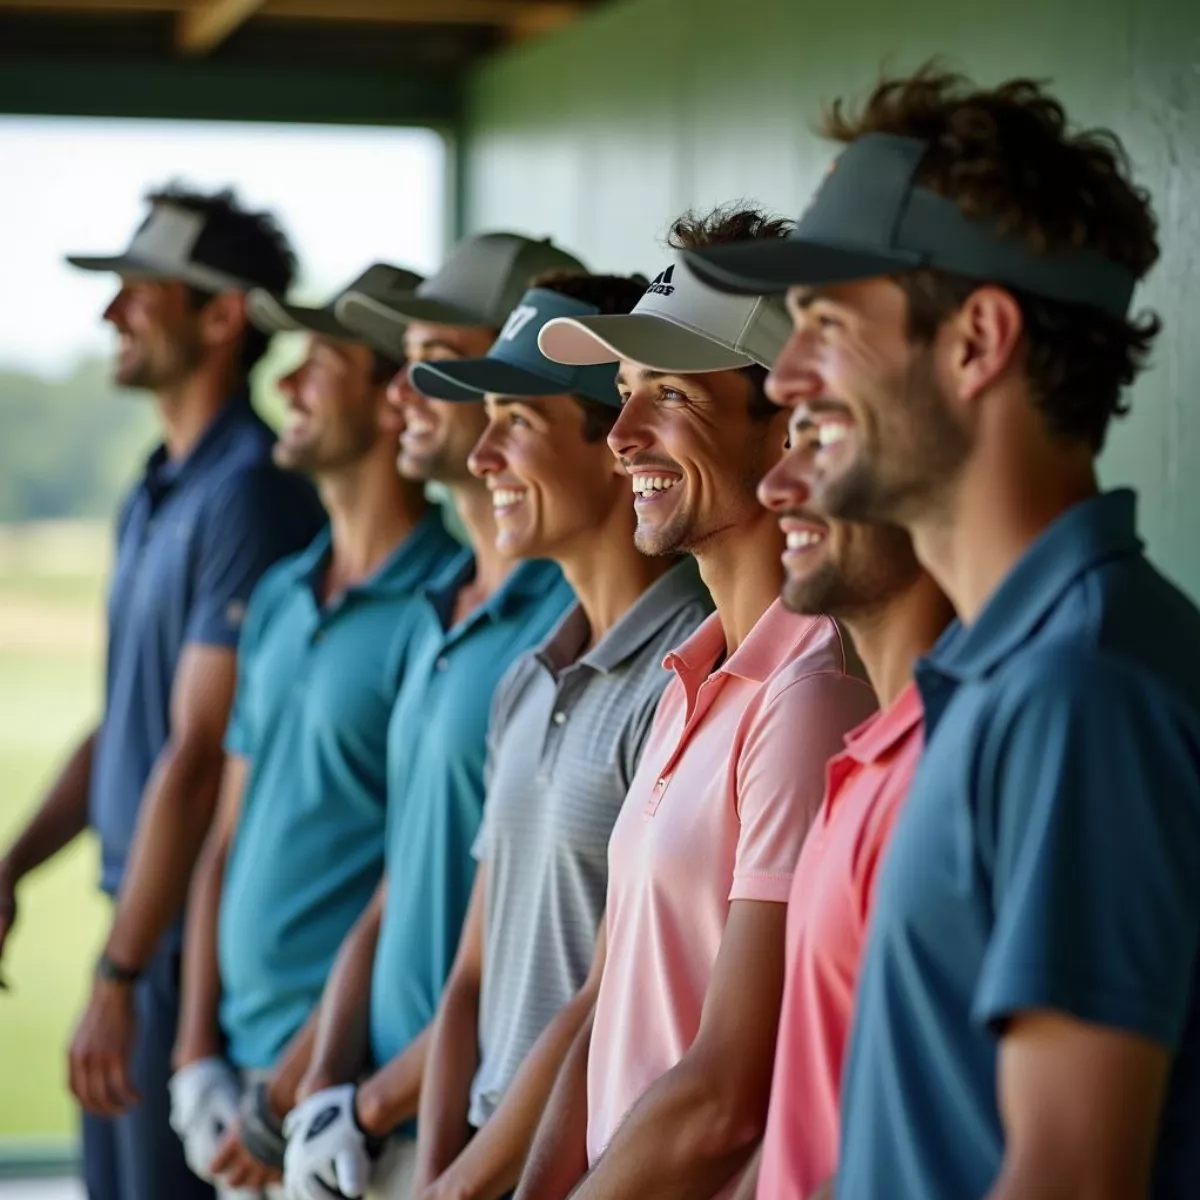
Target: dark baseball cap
(868, 218)
(274, 315)
(479, 284)
(514, 366)
(173, 242)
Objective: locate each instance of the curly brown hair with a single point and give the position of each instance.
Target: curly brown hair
(610, 294)
(1009, 156)
(734, 222)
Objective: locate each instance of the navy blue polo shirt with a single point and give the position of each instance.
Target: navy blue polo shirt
(1048, 857)
(193, 537)
(316, 687)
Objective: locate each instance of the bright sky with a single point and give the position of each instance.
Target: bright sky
(347, 197)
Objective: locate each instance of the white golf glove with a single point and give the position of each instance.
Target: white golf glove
(204, 1107)
(327, 1154)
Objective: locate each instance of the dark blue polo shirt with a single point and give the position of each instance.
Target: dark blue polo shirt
(193, 537)
(1048, 857)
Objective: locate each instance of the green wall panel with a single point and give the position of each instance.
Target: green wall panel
(601, 134)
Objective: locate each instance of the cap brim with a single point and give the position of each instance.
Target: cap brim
(206, 278)
(770, 266)
(471, 378)
(272, 315)
(377, 323)
(433, 381)
(650, 341)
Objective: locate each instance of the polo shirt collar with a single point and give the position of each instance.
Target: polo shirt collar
(163, 473)
(774, 634)
(1080, 540)
(879, 733)
(530, 579)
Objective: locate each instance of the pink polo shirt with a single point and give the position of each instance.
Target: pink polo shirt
(730, 780)
(826, 934)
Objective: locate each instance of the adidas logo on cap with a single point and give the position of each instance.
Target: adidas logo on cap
(661, 284)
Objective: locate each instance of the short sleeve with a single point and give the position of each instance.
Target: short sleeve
(781, 777)
(246, 530)
(1089, 823)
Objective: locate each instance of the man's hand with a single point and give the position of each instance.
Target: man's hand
(99, 1055)
(234, 1167)
(204, 1108)
(327, 1150)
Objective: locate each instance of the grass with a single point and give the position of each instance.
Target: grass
(51, 583)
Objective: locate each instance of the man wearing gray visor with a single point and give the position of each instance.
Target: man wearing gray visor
(1028, 1019)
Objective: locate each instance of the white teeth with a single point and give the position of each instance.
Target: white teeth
(829, 433)
(505, 497)
(800, 539)
(644, 485)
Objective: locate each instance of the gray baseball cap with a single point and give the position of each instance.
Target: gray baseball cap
(869, 218)
(273, 315)
(479, 284)
(679, 325)
(173, 242)
(514, 366)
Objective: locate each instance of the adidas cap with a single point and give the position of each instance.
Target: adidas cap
(514, 366)
(868, 218)
(679, 325)
(272, 315)
(479, 284)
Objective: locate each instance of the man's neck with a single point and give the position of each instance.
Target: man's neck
(1003, 502)
(371, 511)
(473, 503)
(743, 571)
(890, 638)
(187, 408)
(608, 574)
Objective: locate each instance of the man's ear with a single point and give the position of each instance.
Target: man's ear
(223, 319)
(983, 338)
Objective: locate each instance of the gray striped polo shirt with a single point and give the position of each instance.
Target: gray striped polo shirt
(565, 736)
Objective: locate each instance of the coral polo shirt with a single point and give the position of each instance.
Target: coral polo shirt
(729, 782)
(830, 904)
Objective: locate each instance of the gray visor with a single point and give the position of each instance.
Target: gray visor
(868, 219)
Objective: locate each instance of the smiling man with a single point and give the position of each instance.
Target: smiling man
(567, 728)
(297, 851)
(473, 618)
(665, 1092)
(209, 516)
(1028, 1020)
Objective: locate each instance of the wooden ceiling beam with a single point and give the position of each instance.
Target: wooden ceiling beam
(206, 25)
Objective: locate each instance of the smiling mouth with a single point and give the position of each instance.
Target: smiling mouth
(504, 500)
(804, 539)
(649, 485)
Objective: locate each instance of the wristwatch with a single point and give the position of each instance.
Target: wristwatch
(112, 971)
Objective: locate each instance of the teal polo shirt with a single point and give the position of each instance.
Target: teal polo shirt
(1047, 857)
(437, 746)
(316, 687)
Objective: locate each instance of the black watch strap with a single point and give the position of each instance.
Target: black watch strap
(106, 968)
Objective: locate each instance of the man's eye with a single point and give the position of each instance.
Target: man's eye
(673, 395)
(517, 421)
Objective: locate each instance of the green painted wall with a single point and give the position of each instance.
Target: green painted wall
(601, 134)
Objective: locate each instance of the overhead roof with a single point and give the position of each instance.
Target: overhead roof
(339, 60)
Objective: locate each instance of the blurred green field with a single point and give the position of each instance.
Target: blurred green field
(51, 583)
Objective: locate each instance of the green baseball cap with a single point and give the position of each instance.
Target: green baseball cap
(514, 366)
(480, 284)
(869, 218)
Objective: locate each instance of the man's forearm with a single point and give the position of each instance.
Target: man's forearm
(492, 1164)
(62, 817)
(341, 1044)
(558, 1157)
(174, 820)
(684, 1140)
(393, 1094)
(446, 1090)
(292, 1067)
(199, 1034)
